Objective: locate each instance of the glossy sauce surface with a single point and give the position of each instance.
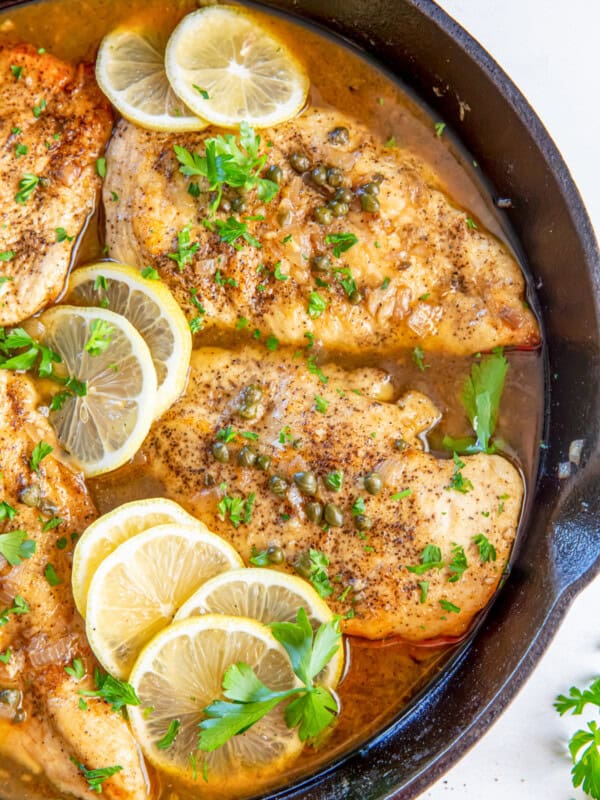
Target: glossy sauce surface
(381, 677)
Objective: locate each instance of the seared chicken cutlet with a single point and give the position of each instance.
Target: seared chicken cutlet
(54, 124)
(420, 272)
(42, 725)
(321, 440)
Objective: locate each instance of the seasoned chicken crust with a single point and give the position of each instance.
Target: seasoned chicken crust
(355, 434)
(428, 274)
(52, 729)
(54, 124)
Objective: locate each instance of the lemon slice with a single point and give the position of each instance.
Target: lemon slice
(104, 535)
(151, 309)
(228, 70)
(181, 671)
(267, 596)
(137, 589)
(130, 71)
(104, 428)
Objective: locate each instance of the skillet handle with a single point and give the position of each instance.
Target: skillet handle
(575, 542)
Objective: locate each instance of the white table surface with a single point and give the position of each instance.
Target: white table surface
(549, 48)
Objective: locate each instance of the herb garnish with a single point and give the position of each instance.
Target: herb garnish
(431, 558)
(228, 162)
(334, 480)
(487, 551)
(314, 369)
(51, 576)
(459, 563)
(7, 255)
(314, 564)
(458, 482)
(481, 398)
(316, 305)
(249, 700)
(27, 186)
(95, 777)
(19, 606)
(117, 694)
(321, 404)
(101, 167)
(238, 509)
(448, 606)
(62, 235)
(341, 242)
(185, 250)
(15, 546)
(40, 451)
(418, 356)
(150, 274)
(101, 335)
(586, 767)
(170, 736)
(76, 670)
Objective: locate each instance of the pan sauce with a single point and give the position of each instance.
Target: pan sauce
(381, 677)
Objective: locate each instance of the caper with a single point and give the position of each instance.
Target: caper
(363, 522)
(335, 176)
(275, 554)
(306, 482)
(247, 457)
(263, 462)
(378, 178)
(30, 495)
(371, 188)
(302, 564)
(278, 485)
(323, 215)
(338, 209)
(355, 297)
(10, 697)
(238, 203)
(373, 483)
(47, 508)
(319, 175)
(333, 515)
(400, 444)
(369, 203)
(299, 162)
(274, 173)
(250, 399)
(284, 217)
(320, 263)
(220, 452)
(339, 135)
(344, 194)
(314, 512)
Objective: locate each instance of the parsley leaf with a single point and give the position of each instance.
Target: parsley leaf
(117, 693)
(150, 274)
(27, 186)
(448, 606)
(314, 369)
(7, 511)
(577, 700)
(76, 670)
(101, 335)
(101, 167)
(231, 230)
(170, 736)
(185, 249)
(19, 606)
(458, 482)
(431, 558)
(341, 242)
(586, 768)
(238, 509)
(313, 564)
(51, 576)
(316, 305)
(312, 711)
(95, 777)
(418, 356)
(459, 563)
(321, 404)
(487, 551)
(334, 480)
(62, 235)
(7, 255)
(40, 451)
(15, 546)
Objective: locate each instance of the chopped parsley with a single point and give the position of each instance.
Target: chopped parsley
(150, 274)
(6, 656)
(418, 356)
(358, 507)
(197, 323)
(96, 777)
(170, 736)
(471, 224)
(278, 274)
(231, 230)
(237, 509)
(459, 563)
(37, 109)
(424, 586)
(62, 235)
(448, 606)
(321, 404)
(202, 92)
(314, 369)
(185, 248)
(101, 335)
(15, 546)
(7, 255)
(401, 495)
(19, 606)
(458, 482)
(431, 558)
(272, 343)
(334, 480)
(21, 150)
(439, 128)
(487, 551)
(76, 670)
(242, 323)
(51, 576)
(40, 451)
(316, 305)
(27, 185)
(116, 693)
(101, 167)
(341, 242)
(16, 71)
(221, 281)
(314, 564)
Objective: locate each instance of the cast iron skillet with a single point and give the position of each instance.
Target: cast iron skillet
(560, 551)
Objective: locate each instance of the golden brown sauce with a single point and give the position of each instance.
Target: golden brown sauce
(381, 677)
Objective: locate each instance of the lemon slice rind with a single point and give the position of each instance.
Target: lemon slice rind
(152, 310)
(103, 536)
(266, 595)
(181, 671)
(103, 429)
(228, 70)
(137, 589)
(130, 72)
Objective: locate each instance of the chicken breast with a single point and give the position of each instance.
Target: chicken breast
(319, 422)
(420, 273)
(54, 124)
(42, 726)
